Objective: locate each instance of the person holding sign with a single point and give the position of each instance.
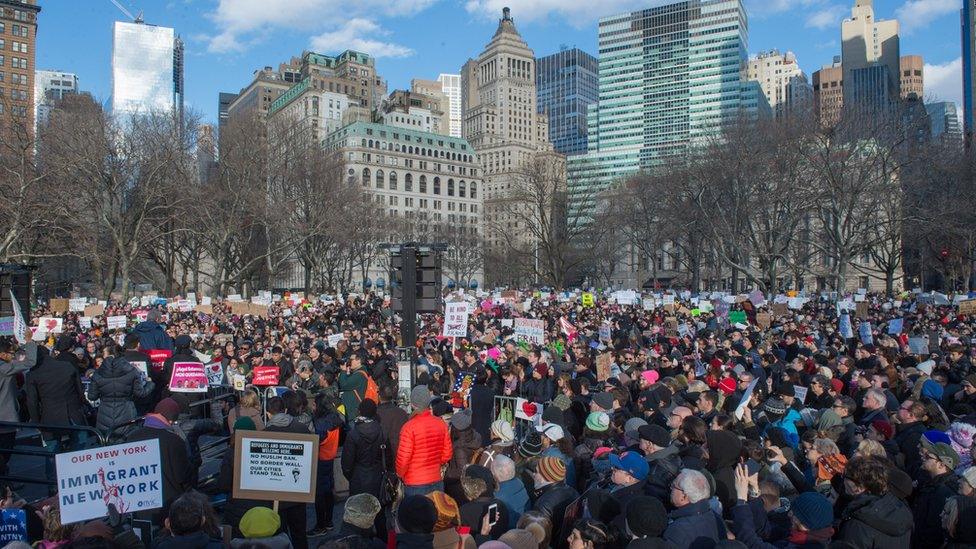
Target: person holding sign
(10, 366)
(174, 458)
(185, 355)
(117, 384)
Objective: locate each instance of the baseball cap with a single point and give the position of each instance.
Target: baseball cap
(551, 431)
(632, 462)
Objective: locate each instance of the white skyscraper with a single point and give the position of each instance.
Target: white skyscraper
(147, 69)
(782, 81)
(451, 87)
(49, 88)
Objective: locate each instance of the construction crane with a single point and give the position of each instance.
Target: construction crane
(135, 19)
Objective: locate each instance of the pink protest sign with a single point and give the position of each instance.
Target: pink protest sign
(188, 377)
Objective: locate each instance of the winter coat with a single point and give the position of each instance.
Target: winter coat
(907, 439)
(664, 467)
(425, 445)
(513, 493)
(8, 382)
(539, 390)
(930, 498)
(235, 508)
(873, 522)
(196, 540)
(405, 540)
(362, 457)
(745, 531)
(553, 501)
(482, 408)
(54, 393)
(724, 449)
(279, 541)
(696, 525)
(465, 443)
(174, 459)
(391, 418)
(116, 384)
(239, 411)
(152, 336)
(352, 387)
(473, 512)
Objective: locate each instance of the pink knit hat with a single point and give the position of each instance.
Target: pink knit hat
(650, 376)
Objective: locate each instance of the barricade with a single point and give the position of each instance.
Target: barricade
(61, 432)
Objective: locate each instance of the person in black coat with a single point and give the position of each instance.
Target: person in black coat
(292, 514)
(936, 483)
(390, 416)
(143, 363)
(55, 395)
(174, 457)
(181, 354)
(482, 405)
(235, 508)
(116, 385)
(874, 517)
(539, 388)
(362, 453)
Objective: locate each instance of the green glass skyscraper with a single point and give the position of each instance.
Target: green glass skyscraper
(667, 75)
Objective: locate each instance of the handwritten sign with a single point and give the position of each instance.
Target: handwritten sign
(334, 339)
(967, 307)
(603, 366)
(77, 304)
(188, 377)
(531, 330)
(128, 476)
(275, 466)
(587, 299)
(455, 319)
(117, 322)
(265, 376)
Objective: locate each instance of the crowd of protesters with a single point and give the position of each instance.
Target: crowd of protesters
(632, 426)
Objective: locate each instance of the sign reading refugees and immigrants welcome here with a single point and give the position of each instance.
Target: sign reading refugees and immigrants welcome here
(275, 466)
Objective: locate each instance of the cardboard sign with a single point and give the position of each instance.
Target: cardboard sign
(603, 363)
(967, 307)
(275, 466)
(126, 475)
(671, 326)
(188, 377)
(334, 339)
(264, 376)
(781, 309)
(13, 526)
(77, 304)
(455, 319)
(215, 373)
(764, 320)
(58, 305)
(532, 330)
(861, 310)
(117, 322)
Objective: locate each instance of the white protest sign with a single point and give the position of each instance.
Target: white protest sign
(77, 304)
(215, 373)
(334, 339)
(235, 298)
(800, 392)
(205, 300)
(648, 303)
(20, 325)
(184, 305)
(141, 366)
(50, 325)
(84, 322)
(532, 330)
(126, 475)
(746, 396)
(275, 466)
(117, 322)
(455, 319)
(506, 323)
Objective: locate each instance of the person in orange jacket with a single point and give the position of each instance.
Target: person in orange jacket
(425, 446)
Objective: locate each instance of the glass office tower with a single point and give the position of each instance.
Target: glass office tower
(147, 69)
(566, 85)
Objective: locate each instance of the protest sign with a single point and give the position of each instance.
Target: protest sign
(737, 317)
(967, 307)
(780, 309)
(234, 298)
(800, 392)
(50, 325)
(265, 376)
(128, 476)
(671, 326)
(77, 304)
(84, 322)
(334, 339)
(117, 322)
(158, 357)
(746, 397)
(864, 332)
(20, 325)
(588, 299)
(604, 361)
(94, 310)
(531, 330)
(861, 310)
(275, 466)
(507, 323)
(605, 332)
(918, 345)
(188, 377)
(184, 306)
(13, 526)
(58, 305)
(215, 373)
(141, 366)
(528, 410)
(455, 319)
(648, 303)
(896, 325)
(844, 326)
(764, 320)
(6, 326)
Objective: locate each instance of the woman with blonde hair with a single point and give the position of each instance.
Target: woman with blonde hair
(869, 447)
(249, 405)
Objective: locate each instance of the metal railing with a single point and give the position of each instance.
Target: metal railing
(61, 432)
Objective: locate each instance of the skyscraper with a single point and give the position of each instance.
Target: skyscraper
(18, 26)
(224, 99)
(912, 77)
(782, 81)
(566, 84)
(969, 67)
(871, 56)
(944, 118)
(451, 87)
(828, 92)
(49, 88)
(668, 75)
(147, 69)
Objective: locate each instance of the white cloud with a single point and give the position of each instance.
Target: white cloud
(944, 82)
(579, 13)
(240, 23)
(917, 14)
(827, 18)
(353, 35)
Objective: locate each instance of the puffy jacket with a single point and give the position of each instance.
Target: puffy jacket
(115, 384)
(870, 522)
(425, 445)
(930, 498)
(362, 457)
(553, 501)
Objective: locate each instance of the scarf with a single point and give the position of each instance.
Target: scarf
(803, 537)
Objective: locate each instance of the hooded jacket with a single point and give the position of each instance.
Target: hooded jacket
(152, 335)
(362, 457)
(724, 448)
(115, 385)
(881, 522)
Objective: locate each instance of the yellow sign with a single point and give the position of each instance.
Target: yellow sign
(587, 299)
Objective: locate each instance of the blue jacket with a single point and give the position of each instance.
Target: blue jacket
(512, 493)
(694, 525)
(152, 336)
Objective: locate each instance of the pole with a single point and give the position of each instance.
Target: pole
(408, 326)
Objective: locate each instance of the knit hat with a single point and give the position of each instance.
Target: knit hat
(420, 397)
(962, 436)
(883, 428)
(646, 517)
(727, 386)
(417, 514)
(541, 369)
(360, 510)
(969, 475)
(970, 379)
(899, 483)
(461, 420)
(260, 522)
(551, 469)
(519, 538)
(655, 434)
(650, 376)
(182, 342)
(551, 431)
(552, 414)
(502, 430)
(813, 510)
(448, 513)
(775, 406)
(244, 423)
(168, 408)
(926, 367)
(491, 544)
(837, 385)
(604, 401)
(598, 422)
(562, 402)
(932, 389)
(631, 427)
(531, 444)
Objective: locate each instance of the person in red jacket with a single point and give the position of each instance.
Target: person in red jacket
(425, 445)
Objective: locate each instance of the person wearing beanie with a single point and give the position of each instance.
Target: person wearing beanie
(425, 445)
(261, 526)
(555, 443)
(539, 388)
(174, 458)
(447, 529)
(358, 519)
(967, 482)
(465, 442)
(874, 517)
(415, 519)
(662, 457)
(479, 491)
(934, 487)
(645, 519)
(531, 444)
(552, 494)
(502, 444)
(519, 538)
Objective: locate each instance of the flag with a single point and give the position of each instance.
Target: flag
(568, 329)
(20, 327)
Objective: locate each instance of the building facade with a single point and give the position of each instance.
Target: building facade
(147, 69)
(451, 88)
(969, 68)
(421, 108)
(871, 56)
(782, 81)
(944, 119)
(669, 75)
(912, 77)
(428, 181)
(18, 50)
(566, 84)
(224, 99)
(828, 93)
(50, 87)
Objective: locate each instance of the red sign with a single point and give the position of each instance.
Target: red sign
(265, 376)
(158, 357)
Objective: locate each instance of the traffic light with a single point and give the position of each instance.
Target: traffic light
(15, 278)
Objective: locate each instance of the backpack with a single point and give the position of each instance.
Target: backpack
(372, 391)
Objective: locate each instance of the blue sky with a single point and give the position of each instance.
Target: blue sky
(226, 40)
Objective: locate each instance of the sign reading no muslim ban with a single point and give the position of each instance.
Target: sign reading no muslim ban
(275, 466)
(125, 475)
